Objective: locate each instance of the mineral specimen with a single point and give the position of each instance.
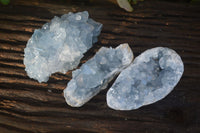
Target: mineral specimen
(59, 45)
(150, 77)
(95, 74)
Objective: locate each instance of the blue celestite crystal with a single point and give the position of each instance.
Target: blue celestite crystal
(150, 77)
(95, 74)
(59, 45)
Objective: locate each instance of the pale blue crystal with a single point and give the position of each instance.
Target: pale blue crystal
(95, 74)
(150, 77)
(59, 45)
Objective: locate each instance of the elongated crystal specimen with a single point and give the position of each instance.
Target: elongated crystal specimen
(95, 74)
(59, 45)
(150, 77)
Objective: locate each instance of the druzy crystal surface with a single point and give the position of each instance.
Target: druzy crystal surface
(95, 74)
(150, 77)
(59, 45)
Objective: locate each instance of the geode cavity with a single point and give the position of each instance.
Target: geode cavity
(150, 77)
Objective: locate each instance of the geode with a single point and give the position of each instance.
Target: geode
(59, 45)
(94, 75)
(150, 77)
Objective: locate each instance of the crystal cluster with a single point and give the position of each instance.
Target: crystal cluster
(95, 74)
(59, 45)
(150, 77)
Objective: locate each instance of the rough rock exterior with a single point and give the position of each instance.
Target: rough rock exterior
(150, 77)
(95, 74)
(59, 45)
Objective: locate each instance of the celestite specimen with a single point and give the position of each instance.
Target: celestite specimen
(59, 45)
(94, 75)
(150, 77)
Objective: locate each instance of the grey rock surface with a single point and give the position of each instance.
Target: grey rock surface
(95, 74)
(150, 77)
(59, 45)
